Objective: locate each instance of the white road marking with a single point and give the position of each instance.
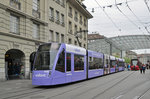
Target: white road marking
(136, 97)
(119, 97)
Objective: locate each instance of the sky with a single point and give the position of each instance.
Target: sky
(111, 22)
(100, 23)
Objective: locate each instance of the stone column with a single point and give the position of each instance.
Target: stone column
(3, 70)
(27, 67)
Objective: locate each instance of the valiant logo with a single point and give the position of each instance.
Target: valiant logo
(40, 75)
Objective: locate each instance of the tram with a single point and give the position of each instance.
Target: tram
(121, 64)
(134, 64)
(59, 63)
(113, 64)
(106, 64)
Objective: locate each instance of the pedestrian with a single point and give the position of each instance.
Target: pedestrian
(146, 66)
(140, 66)
(143, 68)
(128, 67)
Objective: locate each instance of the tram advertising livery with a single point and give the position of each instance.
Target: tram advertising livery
(63, 63)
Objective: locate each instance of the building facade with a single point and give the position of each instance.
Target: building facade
(24, 24)
(131, 55)
(144, 58)
(77, 22)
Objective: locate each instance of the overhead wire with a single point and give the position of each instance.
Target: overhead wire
(108, 16)
(146, 3)
(110, 20)
(128, 17)
(137, 18)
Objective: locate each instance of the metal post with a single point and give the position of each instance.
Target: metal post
(110, 49)
(121, 54)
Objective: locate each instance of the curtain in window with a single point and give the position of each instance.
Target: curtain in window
(36, 31)
(14, 24)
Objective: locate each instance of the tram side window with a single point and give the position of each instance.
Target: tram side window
(100, 63)
(95, 63)
(68, 58)
(113, 63)
(60, 66)
(78, 62)
(121, 64)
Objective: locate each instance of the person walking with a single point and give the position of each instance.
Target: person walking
(140, 66)
(143, 68)
(128, 67)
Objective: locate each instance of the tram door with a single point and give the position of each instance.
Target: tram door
(68, 67)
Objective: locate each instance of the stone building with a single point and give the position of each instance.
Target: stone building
(24, 24)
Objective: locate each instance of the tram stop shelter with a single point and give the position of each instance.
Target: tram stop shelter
(118, 43)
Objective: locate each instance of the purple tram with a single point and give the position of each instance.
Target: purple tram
(62, 63)
(57, 63)
(95, 63)
(113, 64)
(121, 64)
(106, 64)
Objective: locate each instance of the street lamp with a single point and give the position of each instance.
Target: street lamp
(78, 34)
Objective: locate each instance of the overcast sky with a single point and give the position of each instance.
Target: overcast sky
(101, 23)
(129, 23)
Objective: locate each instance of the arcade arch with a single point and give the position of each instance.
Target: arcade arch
(15, 64)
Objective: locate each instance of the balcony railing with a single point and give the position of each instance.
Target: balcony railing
(70, 15)
(58, 1)
(76, 19)
(70, 31)
(36, 13)
(57, 21)
(62, 24)
(51, 18)
(81, 22)
(62, 4)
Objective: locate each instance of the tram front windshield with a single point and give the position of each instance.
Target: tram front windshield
(45, 56)
(134, 62)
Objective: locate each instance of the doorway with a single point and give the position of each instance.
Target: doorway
(15, 64)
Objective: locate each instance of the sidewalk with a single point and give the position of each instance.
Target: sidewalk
(12, 85)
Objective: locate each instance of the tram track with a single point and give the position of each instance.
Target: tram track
(128, 90)
(86, 90)
(30, 92)
(135, 87)
(97, 86)
(94, 97)
(143, 94)
(23, 94)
